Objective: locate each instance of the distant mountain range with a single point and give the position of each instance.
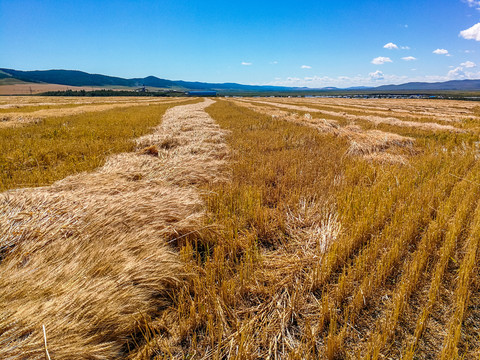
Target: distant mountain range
(80, 78)
(466, 85)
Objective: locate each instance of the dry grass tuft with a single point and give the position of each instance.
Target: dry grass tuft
(374, 141)
(151, 150)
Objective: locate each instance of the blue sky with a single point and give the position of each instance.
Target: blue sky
(298, 43)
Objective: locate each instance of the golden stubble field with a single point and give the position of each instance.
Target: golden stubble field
(247, 228)
(33, 88)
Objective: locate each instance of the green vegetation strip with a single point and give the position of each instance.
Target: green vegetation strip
(54, 148)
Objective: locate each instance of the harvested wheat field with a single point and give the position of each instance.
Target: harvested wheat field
(244, 228)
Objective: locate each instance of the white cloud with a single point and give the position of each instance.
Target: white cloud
(381, 60)
(468, 64)
(473, 3)
(377, 75)
(440, 52)
(246, 63)
(409, 58)
(463, 72)
(274, 62)
(457, 74)
(305, 67)
(373, 79)
(390, 46)
(472, 33)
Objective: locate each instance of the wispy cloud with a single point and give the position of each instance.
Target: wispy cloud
(274, 62)
(246, 63)
(305, 67)
(473, 3)
(373, 79)
(468, 64)
(390, 46)
(377, 75)
(464, 71)
(472, 33)
(457, 74)
(441, 52)
(409, 58)
(381, 60)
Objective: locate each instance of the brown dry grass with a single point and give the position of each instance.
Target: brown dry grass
(88, 257)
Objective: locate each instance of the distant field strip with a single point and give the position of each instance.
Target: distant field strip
(13, 102)
(372, 144)
(31, 106)
(10, 118)
(56, 147)
(88, 256)
(437, 110)
(432, 126)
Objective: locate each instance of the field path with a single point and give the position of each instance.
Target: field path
(88, 256)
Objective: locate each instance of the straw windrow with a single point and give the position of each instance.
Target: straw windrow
(88, 257)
